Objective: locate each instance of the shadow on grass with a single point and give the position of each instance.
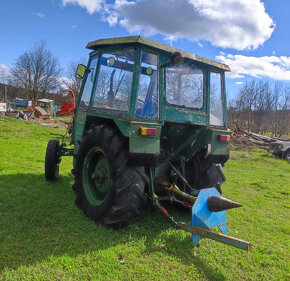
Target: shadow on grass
(39, 220)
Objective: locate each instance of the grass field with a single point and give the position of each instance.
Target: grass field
(44, 236)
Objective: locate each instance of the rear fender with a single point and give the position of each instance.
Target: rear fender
(210, 138)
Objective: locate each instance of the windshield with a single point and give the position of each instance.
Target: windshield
(184, 86)
(115, 77)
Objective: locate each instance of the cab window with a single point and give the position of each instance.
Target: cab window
(85, 99)
(184, 86)
(147, 96)
(216, 100)
(114, 83)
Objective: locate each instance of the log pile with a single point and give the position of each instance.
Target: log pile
(241, 138)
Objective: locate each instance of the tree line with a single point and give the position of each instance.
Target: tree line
(262, 107)
(37, 74)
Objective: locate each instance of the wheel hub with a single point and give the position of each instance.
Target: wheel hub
(96, 176)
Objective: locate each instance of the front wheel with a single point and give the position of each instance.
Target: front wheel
(52, 161)
(287, 155)
(108, 190)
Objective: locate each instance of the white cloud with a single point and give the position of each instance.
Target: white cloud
(4, 73)
(277, 68)
(91, 6)
(40, 15)
(64, 82)
(74, 26)
(4, 69)
(200, 44)
(239, 82)
(109, 15)
(239, 24)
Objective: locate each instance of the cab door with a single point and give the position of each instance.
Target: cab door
(83, 103)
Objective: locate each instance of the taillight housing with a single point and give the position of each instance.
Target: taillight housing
(224, 137)
(148, 131)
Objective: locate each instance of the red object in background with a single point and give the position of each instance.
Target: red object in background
(68, 108)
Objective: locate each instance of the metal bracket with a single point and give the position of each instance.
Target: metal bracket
(206, 233)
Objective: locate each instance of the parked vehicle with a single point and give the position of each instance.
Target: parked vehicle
(280, 149)
(48, 105)
(150, 124)
(21, 103)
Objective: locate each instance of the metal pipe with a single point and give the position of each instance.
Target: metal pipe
(175, 189)
(206, 233)
(179, 174)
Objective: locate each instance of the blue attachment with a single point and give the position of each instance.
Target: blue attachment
(203, 217)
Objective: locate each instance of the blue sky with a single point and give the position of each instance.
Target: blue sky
(252, 36)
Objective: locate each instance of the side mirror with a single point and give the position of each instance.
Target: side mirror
(80, 71)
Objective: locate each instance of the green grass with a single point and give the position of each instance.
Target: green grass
(44, 236)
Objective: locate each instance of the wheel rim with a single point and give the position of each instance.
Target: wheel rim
(96, 176)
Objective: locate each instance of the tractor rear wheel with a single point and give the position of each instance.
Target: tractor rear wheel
(52, 161)
(202, 173)
(107, 189)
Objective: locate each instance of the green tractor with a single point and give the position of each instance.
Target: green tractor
(150, 124)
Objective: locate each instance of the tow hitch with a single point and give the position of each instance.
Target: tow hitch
(208, 210)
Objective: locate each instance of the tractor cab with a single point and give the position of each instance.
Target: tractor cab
(140, 81)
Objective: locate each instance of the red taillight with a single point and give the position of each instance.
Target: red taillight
(224, 137)
(148, 131)
(151, 132)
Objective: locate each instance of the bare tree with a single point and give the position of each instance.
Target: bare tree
(37, 71)
(72, 82)
(262, 108)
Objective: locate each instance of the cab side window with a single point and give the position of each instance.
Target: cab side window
(216, 100)
(147, 97)
(85, 100)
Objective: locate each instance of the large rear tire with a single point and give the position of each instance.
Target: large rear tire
(52, 161)
(202, 173)
(108, 190)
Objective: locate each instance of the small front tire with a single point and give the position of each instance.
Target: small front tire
(52, 161)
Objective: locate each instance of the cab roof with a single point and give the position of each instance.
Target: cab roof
(148, 42)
